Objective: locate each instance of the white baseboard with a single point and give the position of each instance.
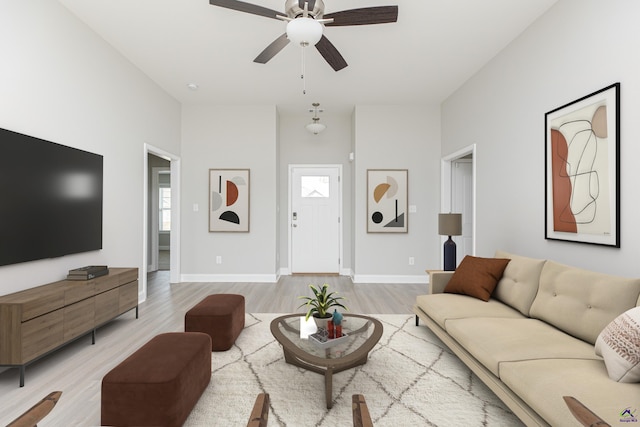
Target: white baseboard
(223, 278)
(373, 278)
(285, 271)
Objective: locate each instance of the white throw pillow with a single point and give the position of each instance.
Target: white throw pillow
(619, 346)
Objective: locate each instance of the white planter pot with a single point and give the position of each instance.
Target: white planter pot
(321, 322)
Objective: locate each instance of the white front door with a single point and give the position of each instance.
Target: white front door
(315, 219)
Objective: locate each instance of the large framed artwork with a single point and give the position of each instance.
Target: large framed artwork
(229, 200)
(582, 169)
(387, 201)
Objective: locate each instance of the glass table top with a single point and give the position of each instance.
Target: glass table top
(356, 330)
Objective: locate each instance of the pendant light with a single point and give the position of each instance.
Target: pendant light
(315, 127)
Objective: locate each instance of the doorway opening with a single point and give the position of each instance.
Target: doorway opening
(458, 195)
(160, 242)
(161, 170)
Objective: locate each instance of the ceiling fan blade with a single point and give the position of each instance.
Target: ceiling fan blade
(363, 16)
(247, 7)
(270, 51)
(331, 54)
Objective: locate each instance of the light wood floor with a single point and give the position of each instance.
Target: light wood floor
(77, 369)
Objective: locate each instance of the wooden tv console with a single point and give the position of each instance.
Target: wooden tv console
(39, 320)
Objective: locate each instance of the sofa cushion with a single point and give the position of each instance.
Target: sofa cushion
(542, 383)
(580, 302)
(477, 277)
(520, 279)
(619, 345)
(443, 307)
(493, 341)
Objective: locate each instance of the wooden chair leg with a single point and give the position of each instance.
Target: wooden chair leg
(361, 416)
(37, 411)
(583, 414)
(260, 414)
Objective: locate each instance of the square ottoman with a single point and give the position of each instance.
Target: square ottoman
(221, 316)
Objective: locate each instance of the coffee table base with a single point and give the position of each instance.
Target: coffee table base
(328, 371)
(367, 329)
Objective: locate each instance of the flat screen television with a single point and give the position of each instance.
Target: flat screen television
(50, 199)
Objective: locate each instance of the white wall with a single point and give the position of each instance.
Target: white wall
(61, 82)
(229, 137)
(398, 137)
(575, 49)
(386, 137)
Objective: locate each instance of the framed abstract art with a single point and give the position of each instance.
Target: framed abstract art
(229, 200)
(582, 169)
(387, 200)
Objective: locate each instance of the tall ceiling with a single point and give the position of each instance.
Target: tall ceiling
(435, 46)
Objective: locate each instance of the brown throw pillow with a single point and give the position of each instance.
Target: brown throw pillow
(477, 277)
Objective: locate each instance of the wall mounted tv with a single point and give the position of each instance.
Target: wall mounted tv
(50, 199)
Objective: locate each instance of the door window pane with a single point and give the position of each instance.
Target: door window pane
(314, 186)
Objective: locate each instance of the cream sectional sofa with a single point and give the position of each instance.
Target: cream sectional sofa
(533, 342)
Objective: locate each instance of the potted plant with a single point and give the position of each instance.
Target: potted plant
(320, 303)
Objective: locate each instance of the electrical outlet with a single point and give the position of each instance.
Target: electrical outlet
(412, 260)
(218, 259)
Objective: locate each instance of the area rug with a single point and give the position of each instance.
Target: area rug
(411, 379)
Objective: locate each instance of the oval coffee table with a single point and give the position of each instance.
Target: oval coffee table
(363, 333)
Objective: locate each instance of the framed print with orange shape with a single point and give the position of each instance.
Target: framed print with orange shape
(582, 169)
(387, 201)
(229, 200)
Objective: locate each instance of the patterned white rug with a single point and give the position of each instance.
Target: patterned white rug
(411, 378)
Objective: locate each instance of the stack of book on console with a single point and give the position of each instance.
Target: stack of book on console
(87, 273)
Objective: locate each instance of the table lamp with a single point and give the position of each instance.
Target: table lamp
(449, 224)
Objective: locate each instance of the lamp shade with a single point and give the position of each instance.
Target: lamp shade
(450, 224)
(304, 31)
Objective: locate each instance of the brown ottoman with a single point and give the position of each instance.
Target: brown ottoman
(160, 383)
(221, 316)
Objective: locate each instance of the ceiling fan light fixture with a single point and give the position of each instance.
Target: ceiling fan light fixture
(307, 16)
(304, 31)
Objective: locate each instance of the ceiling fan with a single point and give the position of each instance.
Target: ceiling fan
(310, 15)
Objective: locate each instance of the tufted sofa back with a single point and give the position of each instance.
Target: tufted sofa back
(520, 280)
(582, 302)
